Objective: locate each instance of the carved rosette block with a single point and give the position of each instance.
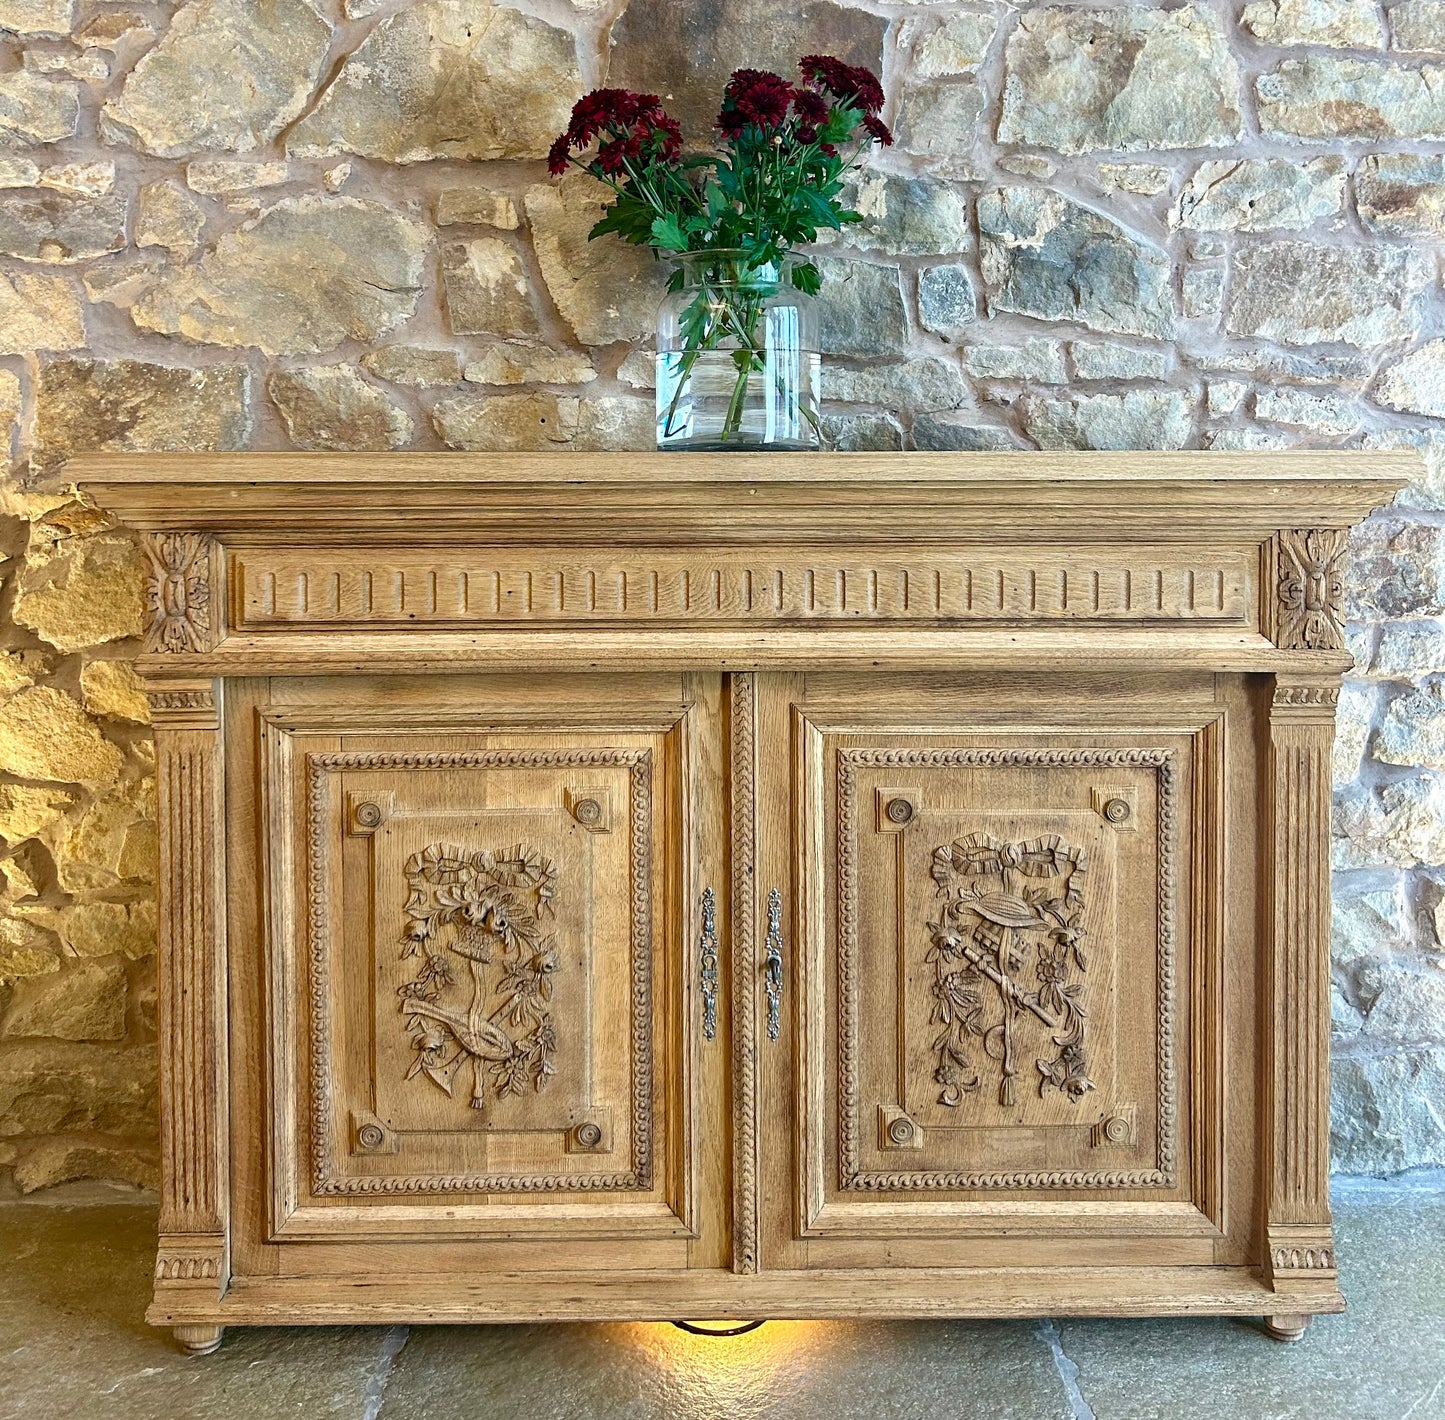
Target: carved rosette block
(1297, 839)
(178, 592)
(192, 1259)
(1311, 590)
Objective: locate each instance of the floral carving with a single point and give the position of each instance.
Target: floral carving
(178, 592)
(1311, 590)
(482, 994)
(1010, 911)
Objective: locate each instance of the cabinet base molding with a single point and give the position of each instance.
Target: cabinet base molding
(815, 1295)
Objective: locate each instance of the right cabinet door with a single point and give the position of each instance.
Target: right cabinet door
(1004, 978)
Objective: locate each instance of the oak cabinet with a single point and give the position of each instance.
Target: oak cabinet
(706, 887)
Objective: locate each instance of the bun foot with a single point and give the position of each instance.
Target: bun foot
(198, 1340)
(1286, 1327)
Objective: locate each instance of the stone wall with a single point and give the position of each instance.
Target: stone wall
(324, 224)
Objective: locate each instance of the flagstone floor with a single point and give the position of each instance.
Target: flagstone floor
(74, 1275)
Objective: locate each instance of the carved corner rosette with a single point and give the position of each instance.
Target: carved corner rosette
(178, 592)
(1310, 611)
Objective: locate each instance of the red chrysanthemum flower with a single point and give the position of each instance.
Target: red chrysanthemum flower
(633, 123)
(878, 130)
(856, 86)
(754, 96)
(811, 111)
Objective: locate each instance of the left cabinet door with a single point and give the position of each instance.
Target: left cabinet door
(472, 1011)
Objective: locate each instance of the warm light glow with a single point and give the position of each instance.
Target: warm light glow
(723, 1372)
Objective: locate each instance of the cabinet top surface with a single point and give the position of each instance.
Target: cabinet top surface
(674, 495)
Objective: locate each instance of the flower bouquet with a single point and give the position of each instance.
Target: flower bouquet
(737, 358)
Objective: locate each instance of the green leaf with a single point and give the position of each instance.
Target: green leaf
(820, 209)
(807, 278)
(668, 233)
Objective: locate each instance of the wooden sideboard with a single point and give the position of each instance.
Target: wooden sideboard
(637, 886)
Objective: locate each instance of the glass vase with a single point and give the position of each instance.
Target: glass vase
(737, 357)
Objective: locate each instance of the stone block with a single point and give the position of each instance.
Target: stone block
(332, 407)
(44, 734)
(491, 83)
(84, 1001)
(1124, 79)
(605, 290)
(1413, 730)
(939, 122)
(1339, 24)
(35, 110)
(48, 225)
(861, 308)
(1041, 361)
(908, 216)
(1140, 419)
(1330, 96)
(1416, 384)
(304, 276)
(476, 206)
(911, 387)
(167, 217)
(529, 422)
(1395, 573)
(93, 598)
(947, 298)
(136, 407)
(1386, 1111)
(37, 19)
(53, 1088)
(1353, 721)
(1046, 257)
(414, 366)
(516, 362)
(487, 290)
(1401, 825)
(38, 312)
(1418, 26)
(1300, 293)
(1261, 195)
(1402, 194)
(960, 432)
(862, 433)
(1113, 361)
(227, 76)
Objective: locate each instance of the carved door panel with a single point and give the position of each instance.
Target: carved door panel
(991, 906)
(480, 1023)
